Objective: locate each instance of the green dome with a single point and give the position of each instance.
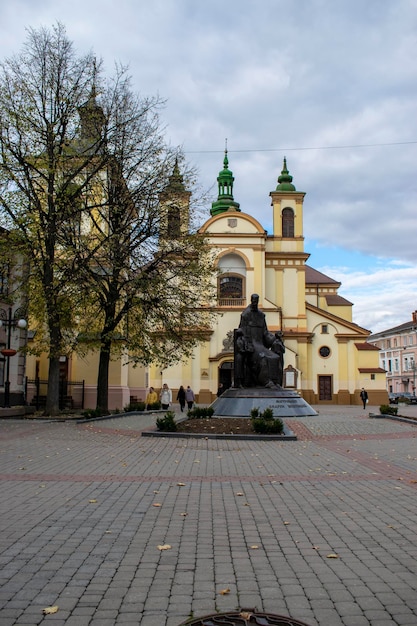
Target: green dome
(225, 184)
(285, 180)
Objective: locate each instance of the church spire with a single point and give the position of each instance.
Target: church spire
(225, 181)
(285, 180)
(92, 118)
(176, 180)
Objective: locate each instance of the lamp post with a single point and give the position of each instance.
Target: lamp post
(414, 368)
(9, 321)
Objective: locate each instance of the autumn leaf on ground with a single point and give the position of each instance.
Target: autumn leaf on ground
(180, 484)
(245, 615)
(254, 547)
(166, 546)
(332, 555)
(224, 592)
(49, 610)
(239, 493)
(156, 504)
(92, 501)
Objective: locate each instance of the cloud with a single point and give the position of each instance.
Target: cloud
(331, 85)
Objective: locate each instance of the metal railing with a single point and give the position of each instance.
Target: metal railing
(71, 393)
(231, 302)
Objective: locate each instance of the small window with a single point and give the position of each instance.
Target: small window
(288, 223)
(372, 376)
(324, 329)
(324, 351)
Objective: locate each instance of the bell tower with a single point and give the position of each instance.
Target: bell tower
(287, 205)
(175, 206)
(285, 256)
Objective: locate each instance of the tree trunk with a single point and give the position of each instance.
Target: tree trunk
(103, 377)
(52, 397)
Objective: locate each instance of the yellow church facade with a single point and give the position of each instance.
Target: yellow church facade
(327, 358)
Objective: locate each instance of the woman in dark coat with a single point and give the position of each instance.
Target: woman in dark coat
(181, 397)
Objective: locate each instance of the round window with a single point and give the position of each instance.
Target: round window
(324, 351)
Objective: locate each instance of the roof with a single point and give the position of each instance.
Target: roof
(314, 276)
(335, 300)
(371, 370)
(411, 325)
(366, 346)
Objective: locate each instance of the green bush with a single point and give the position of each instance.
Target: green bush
(200, 412)
(167, 422)
(386, 409)
(266, 423)
(135, 406)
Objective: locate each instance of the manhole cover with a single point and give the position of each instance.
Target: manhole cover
(243, 618)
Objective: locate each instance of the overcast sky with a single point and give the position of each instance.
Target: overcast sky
(330, 84)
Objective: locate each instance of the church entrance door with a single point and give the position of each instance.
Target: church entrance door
(226, 374)
(325, 388)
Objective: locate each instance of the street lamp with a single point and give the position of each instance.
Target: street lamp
(9, 321)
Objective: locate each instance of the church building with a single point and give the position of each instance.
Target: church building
(328, 358)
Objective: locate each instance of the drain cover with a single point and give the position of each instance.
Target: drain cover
(243, 618)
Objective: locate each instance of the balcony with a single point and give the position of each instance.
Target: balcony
(231, 302)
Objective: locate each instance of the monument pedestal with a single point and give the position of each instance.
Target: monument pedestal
(238, 402)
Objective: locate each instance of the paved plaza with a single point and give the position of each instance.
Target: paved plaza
(113, 528)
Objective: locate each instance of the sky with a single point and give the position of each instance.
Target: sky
(330, 84)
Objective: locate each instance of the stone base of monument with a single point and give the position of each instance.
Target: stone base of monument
(239, 403)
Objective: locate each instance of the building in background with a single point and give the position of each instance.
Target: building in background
(398, 355)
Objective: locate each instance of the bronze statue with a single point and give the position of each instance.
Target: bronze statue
(259, 354)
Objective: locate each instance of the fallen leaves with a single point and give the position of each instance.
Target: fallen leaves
(224, 592)
(332, 555)
(50, 610)
(165, 546)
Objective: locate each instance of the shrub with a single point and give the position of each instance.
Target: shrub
(135, 406)
(266, 423)
(200, 412)
(167, 422)
(386, 409)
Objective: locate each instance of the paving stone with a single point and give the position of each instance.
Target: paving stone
(80, 529)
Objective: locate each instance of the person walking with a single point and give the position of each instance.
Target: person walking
(190, 397)
(364, 397)
(181, 398)
(165, 397)
(151, 398)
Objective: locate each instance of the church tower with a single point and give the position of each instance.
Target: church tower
(285, 257)
(175, 206)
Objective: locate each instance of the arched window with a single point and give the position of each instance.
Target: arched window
(230, 290)
(174, 222)
(230, 287)
(288, 222)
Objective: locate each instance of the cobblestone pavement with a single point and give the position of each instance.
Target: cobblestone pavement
(322, 529)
